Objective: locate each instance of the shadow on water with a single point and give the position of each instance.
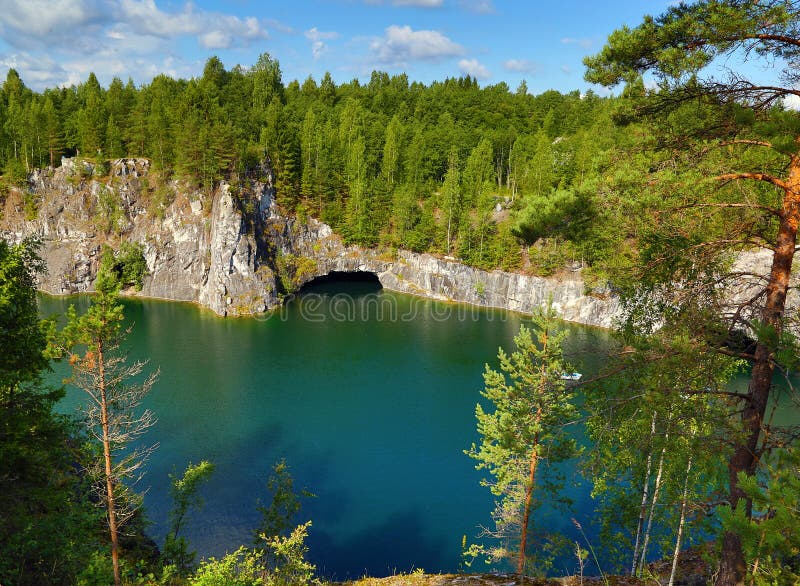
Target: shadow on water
(353, 282)
(402, 533)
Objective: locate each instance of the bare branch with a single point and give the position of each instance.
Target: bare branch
(754, 206)
(779, 38)
(743, 141)
(755, 176)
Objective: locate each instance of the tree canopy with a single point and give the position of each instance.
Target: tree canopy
(727, 175)
(369, 159)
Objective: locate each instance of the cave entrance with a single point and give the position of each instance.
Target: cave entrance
(352, 282)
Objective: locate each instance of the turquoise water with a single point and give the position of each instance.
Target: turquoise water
(368, 395)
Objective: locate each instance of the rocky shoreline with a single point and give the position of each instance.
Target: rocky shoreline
(234, 253)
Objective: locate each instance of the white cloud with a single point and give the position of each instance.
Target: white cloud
(583, 43)
(36, 19)
(214, 30)
(419, 3)
(42, 71)
(37, 71)
(401, 44)
(478, 6)
(521, 65)
(318, 38)
(57, 42)
(217, 39)
(792, 102)
(414, 3)
(474, 68)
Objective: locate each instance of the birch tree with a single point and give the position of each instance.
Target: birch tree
(451, 195)
(657, 451)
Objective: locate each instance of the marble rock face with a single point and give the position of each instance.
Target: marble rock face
(224, 250)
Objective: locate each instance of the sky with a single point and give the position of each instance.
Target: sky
(59, 42)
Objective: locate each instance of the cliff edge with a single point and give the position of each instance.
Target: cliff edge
(234, 252)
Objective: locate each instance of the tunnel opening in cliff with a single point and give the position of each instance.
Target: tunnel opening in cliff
(343, 281)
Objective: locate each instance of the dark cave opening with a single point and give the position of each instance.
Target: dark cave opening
(341, 281)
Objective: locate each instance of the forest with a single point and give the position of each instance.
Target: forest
(656, 193)
(450, 168)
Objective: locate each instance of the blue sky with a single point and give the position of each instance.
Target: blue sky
(58, 42)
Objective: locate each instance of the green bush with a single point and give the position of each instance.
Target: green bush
(108, 213)
(127, 264)
(31, 206)
(162, 198)
(15, 172)
(294, 270)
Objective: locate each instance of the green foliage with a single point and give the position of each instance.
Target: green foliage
(112, 415)
(289, 552)
(185, 497)
(279, 516)
(392, 163)
(14, 172)
(109, 215)
(246, 567)
(720, 180)
(294, 270)
(127, 265)
(523, 438)
(770, 538)
(98, 570)
(546, 214)
(23, 336)
(240, 568)
(101, 166)
(160, 199)
(31, 207)
(660, 412)
(48, 526)
(279, 556)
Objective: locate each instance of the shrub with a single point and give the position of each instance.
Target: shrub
(108, 214)
(127, 264)
(294, 270)
(15, 172)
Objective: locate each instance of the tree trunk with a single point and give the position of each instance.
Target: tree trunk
(681, 523)
(656, 490)
(449, 221)
(112, 513)
(523, 540)
(645, 494)
(534, 462)
(746, 454)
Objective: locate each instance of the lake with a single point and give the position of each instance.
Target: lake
(369, 396)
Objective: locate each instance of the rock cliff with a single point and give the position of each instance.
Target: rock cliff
(235, 253)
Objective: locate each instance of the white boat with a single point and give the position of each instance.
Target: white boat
(571, 376)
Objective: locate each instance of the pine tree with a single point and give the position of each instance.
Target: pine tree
(452, 197)
(310, 155)
(392, 150)
(47, 525)
(733, 182)
(524, 434)
(113, 416)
